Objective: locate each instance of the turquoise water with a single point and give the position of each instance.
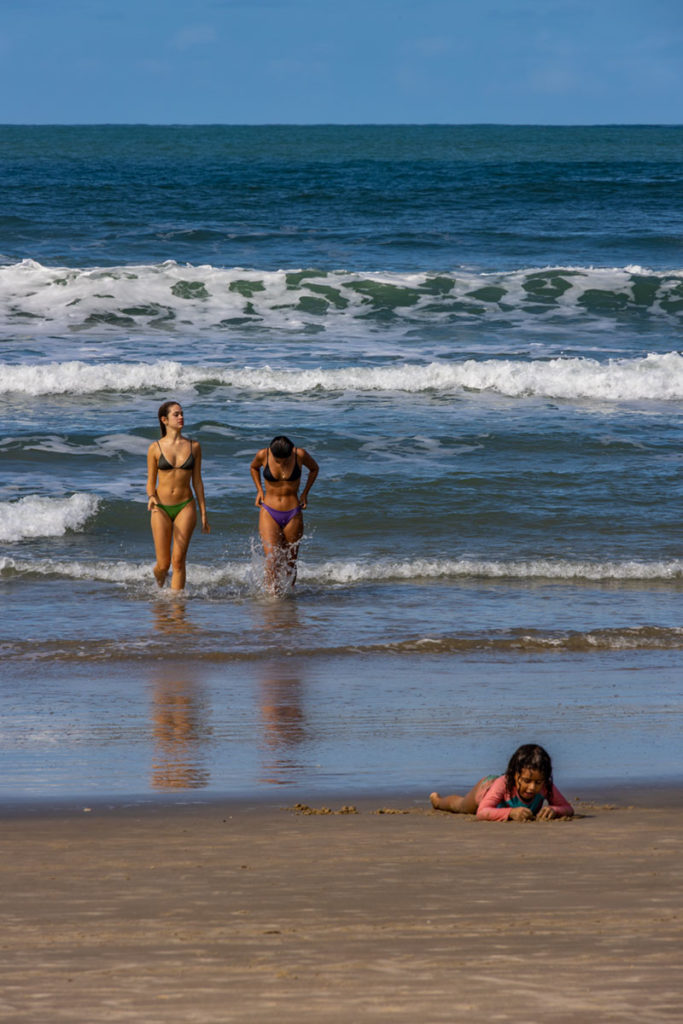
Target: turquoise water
(476, 331)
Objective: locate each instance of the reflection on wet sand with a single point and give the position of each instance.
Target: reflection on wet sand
(170, 617)
(282, 693)
(283, 717)
(181, 707)
(181, 730)
(180, 714)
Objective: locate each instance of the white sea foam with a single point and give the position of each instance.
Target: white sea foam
(108, 572)
(81, 378)
(352, 572)
(35, 516)
(157, 296)
(122, 572)
(357, 572)
(655, 377)
(111, 445)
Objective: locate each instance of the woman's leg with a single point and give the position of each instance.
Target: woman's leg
(458, 804)
(162, 532)
(271, 538)
(292, 534)
(281, 547)
(183, 528)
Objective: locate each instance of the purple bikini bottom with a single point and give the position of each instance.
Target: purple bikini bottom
(281, 518)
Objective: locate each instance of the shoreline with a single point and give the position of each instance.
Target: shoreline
(656, 794)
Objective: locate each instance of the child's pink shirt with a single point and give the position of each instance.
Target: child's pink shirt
(497, 792)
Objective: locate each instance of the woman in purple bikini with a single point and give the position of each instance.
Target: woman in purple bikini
(281, 524)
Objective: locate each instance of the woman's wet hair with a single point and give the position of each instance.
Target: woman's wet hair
(163, 414)
(536, 759)
(281, 447)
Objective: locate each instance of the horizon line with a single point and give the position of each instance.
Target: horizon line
(338, 124)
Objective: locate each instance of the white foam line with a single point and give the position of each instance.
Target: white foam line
(380, 571)
(654, 377)
(532, 569)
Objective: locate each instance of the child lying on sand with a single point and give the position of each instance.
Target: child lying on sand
(519, 795)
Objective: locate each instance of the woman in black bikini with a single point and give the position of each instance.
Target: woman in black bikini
(281, 524)
(172, 471)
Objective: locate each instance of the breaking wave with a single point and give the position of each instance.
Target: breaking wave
(654, 377)
(33, 517)
(199, 298)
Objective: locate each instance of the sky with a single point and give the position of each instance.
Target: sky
(341, 61)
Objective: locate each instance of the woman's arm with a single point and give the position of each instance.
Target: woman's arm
(312, 466)
(258, 461)
(152, 465)
(198, 485)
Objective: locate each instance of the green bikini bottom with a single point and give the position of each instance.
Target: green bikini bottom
(173, 510)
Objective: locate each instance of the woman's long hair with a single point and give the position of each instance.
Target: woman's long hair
(163, 412)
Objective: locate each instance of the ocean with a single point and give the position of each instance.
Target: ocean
(475, 331)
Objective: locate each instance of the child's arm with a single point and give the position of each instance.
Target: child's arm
(488, 808)
(557, 807)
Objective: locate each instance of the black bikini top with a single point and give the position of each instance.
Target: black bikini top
(294, 475)
(165, 464)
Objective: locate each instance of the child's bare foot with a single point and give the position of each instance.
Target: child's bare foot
(452, 803)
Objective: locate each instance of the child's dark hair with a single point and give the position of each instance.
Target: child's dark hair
(281, 447)
(534, 757)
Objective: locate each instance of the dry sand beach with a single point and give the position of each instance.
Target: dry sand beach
(217, 912)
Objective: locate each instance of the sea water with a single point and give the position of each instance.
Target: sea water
(476, 331)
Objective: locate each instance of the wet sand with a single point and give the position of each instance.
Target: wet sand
(217, 912)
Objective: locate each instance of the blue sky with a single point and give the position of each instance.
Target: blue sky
(352, 61)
